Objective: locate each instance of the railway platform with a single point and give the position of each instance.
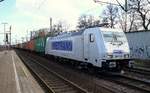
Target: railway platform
(14, 76)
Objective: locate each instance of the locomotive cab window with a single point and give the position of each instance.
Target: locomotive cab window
(91, 37)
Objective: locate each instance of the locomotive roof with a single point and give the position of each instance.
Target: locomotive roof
(68, 34)
(80, 32)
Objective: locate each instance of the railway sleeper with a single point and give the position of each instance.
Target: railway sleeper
(71, 92)
(61, 90)
(55, 80)
(56, 84)
(64, 86)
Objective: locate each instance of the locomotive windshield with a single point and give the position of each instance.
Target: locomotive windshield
(110, 36)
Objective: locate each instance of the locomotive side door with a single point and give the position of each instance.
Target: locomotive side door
(86, 46)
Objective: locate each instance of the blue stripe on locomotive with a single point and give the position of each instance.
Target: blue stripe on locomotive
(62, 45)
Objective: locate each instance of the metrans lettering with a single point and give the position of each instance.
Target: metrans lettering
(62, 45)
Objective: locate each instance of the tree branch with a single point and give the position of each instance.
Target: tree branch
(132, 18)
(1, 0)
(121, 6)
(148, 1)
(148, 23)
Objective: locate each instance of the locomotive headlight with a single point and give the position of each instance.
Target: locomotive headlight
(126, 55)
(112, 64)
(109, 56)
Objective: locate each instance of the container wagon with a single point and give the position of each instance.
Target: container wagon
(40, 45)
(31, 45)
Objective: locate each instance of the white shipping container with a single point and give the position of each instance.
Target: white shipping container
(139, 43)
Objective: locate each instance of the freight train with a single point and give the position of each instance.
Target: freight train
(102, 48)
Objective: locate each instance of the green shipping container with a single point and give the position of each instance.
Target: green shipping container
(40, 44)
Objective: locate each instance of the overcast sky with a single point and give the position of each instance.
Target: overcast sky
(30, 15)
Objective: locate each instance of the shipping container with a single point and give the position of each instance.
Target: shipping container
(139, 43)
(26, 45)
(21, 45)
(40, 44)
(17, 46)
(31, 45)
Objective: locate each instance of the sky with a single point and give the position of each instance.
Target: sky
(28, 15)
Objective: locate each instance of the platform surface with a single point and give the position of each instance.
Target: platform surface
(14, 76)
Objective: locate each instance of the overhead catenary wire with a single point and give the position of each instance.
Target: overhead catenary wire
(96, 1)
(124, 8)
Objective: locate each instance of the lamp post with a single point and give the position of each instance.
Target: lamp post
(50, 22)
(10, 35)
(4, 33)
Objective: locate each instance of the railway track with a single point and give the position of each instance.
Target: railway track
(54, 82)
(81, 79)
(130, 82)
(140, 74)
(140, 71)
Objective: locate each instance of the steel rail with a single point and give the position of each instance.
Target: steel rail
(76, 87)
(130, 82)
(140, 71)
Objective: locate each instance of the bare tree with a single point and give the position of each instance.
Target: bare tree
(133, 23)
(142, 7)
(121, 20)
(90, 20)
(82, 21)
(86, 21)
(110, 14)
(131, 20)
(148, 1)
(58, 28)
